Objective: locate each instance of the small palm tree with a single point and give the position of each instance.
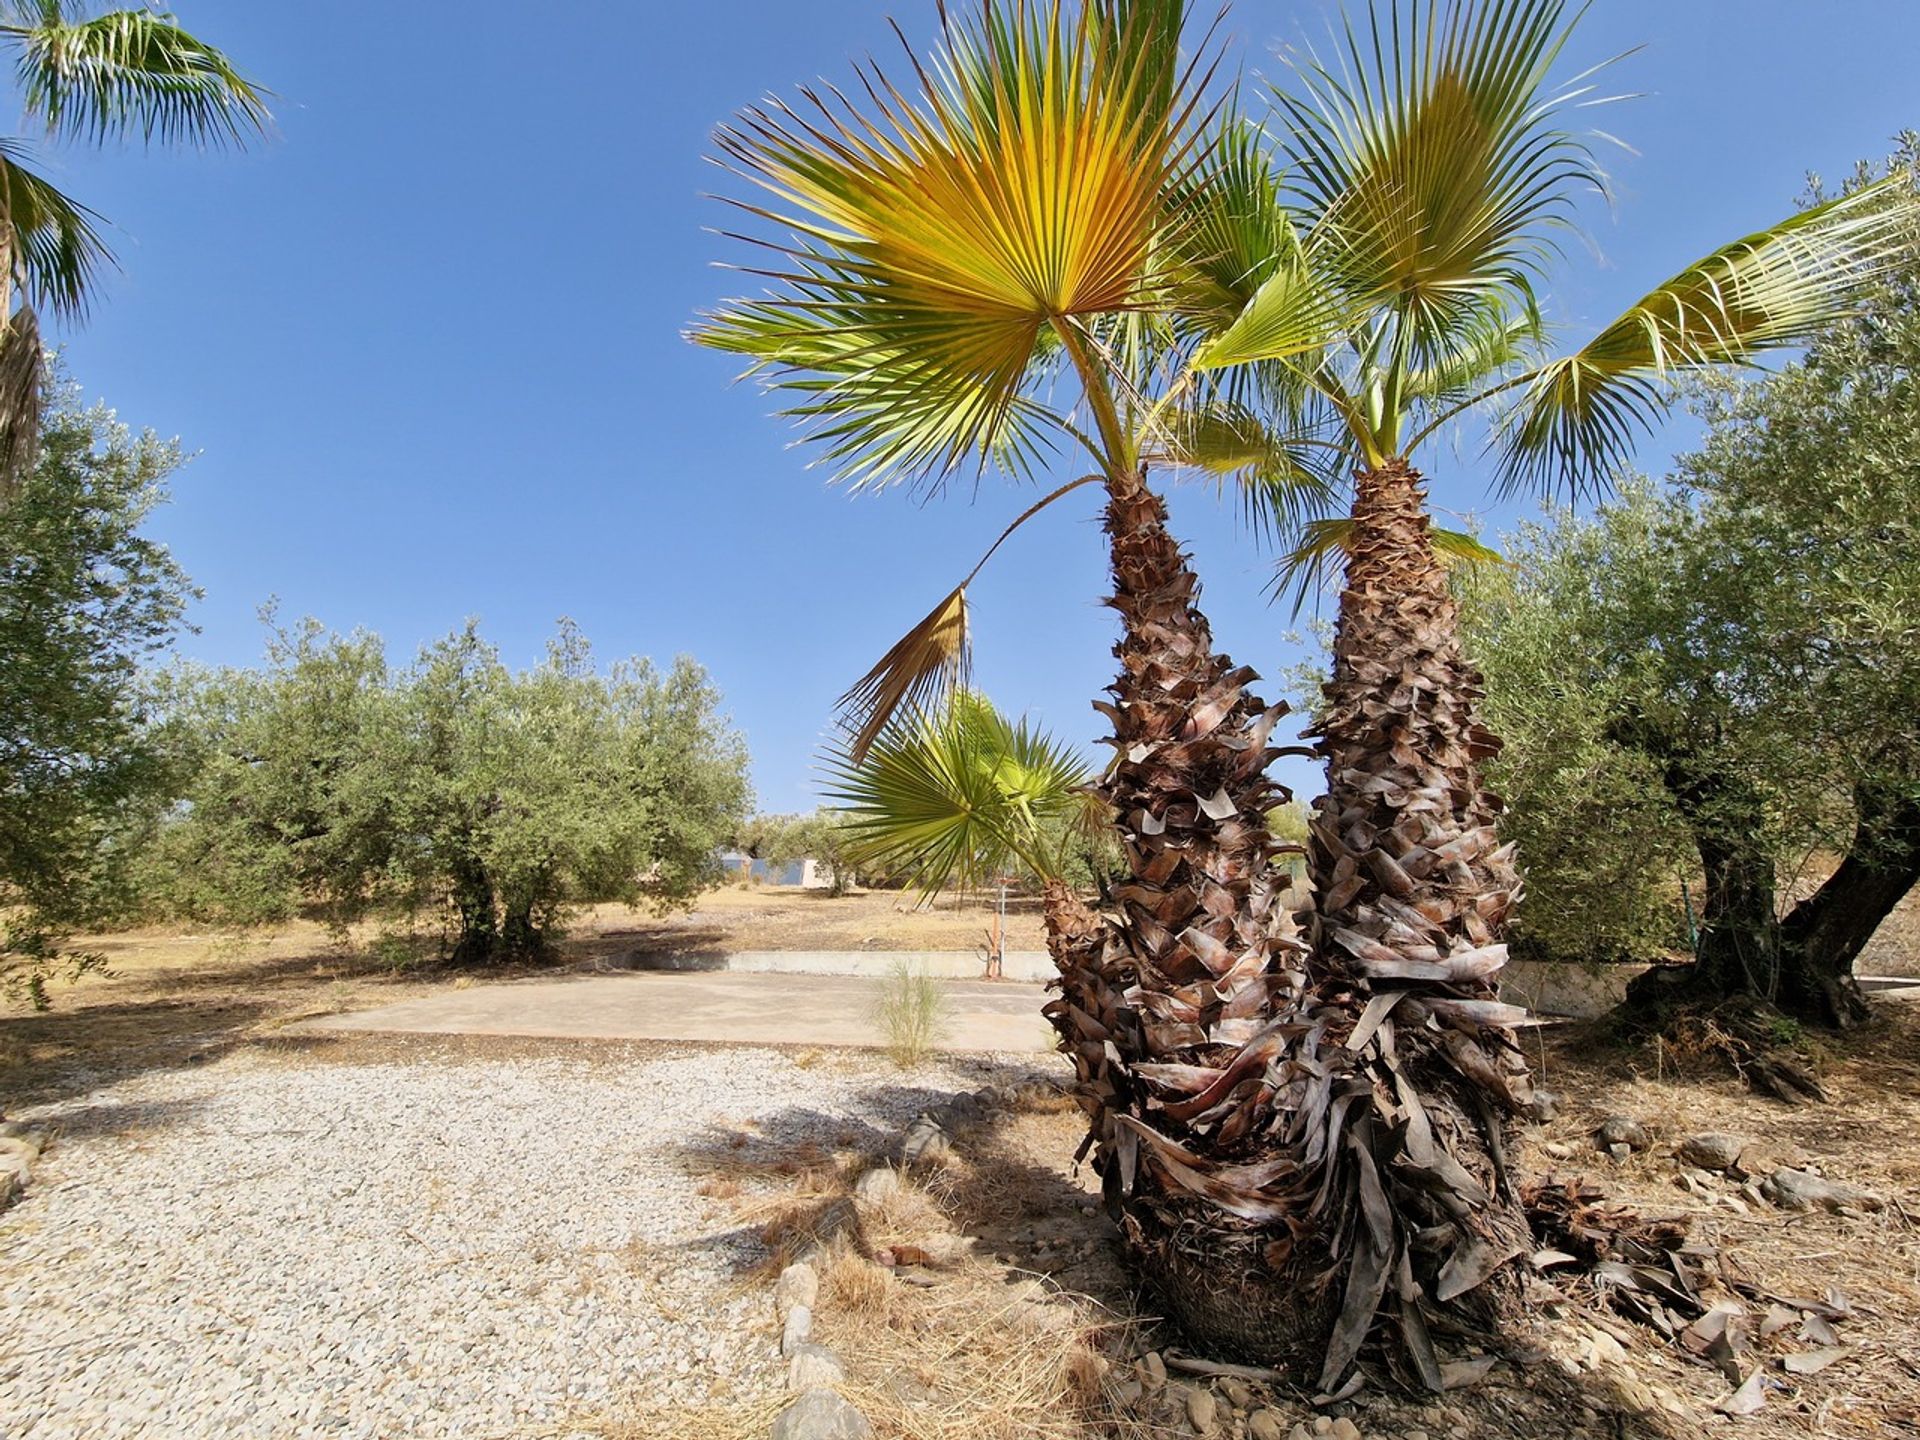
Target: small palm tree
(1016, 255)
(119, 74)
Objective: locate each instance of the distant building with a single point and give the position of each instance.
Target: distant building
(806, 874)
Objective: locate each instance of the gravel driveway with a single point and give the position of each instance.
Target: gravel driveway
(424, 1244)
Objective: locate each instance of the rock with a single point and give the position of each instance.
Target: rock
(1620, 1150)
(1202, 1410)
(813, 1366)
(799, 1326)
(1300, 1432)
(1557, 1150)
(1545, 1106)
(1265, 1425)
(1800, 1190)
(1344, 1429)
(1322, 1425)
(1713, 1150)
(821, 1415)
(1761, 1158)
(1237, 1393)
(1622, 1130)
(1153, 1370)
(925, 1142)
(797, 1285)
(1128, 1393)
(876, 1187)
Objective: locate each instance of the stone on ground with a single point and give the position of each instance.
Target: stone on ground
(821, 1415)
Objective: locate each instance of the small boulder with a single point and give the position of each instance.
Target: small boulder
(1713, 1150)
(1202, 1410)
(1622, 1130)
(813, 1366)
(798, 1328)
(797, 1285)
(925, 1142)
(1266, 1425)
(876, 1187)
(1760, 1158)
(1237, 1393)
(1545, 1106)
(821, 1415)
(1344, 1429)
(1800, 1190)
(1153, 1370)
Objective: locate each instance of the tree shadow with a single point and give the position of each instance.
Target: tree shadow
(54, 1055)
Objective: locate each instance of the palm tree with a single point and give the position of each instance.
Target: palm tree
(1427, 174)
(116, 75)
(1023, 251)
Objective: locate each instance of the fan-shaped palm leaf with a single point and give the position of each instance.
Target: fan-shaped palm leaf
(932, 243)
(1430, 159)
(49, 237)
(1578, 416)
(132, 72)
(948, 796)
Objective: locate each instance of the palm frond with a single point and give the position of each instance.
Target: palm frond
(1283, 483)
(133, 72)
(1578, 417)
(921, 668)
(52, 238)
(23, 387)
(929, 240)
(1312, 565)
(949, 795)
(1430, 156)
(1227, 230)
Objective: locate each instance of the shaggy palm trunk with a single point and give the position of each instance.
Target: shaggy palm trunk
(1173, 1004)
(1412, 892)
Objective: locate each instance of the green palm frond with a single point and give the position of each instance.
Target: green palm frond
(51, 238)
(929, 244)
(1492, 340)
(1227, 230)
(1578, 417)
(1430, 158)
(1283, 482)
(1312, 565)
(132, 72)
(948, 796)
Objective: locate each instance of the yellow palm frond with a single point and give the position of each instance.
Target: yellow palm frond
(931, 237)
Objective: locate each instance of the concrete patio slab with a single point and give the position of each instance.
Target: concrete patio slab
(717, 1006)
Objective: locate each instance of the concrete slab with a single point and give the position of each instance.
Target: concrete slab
(1032, 966)
(724, 1006)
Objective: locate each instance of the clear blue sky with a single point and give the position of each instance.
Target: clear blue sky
(428, 341)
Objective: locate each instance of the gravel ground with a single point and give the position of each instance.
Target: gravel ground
(492, 1247)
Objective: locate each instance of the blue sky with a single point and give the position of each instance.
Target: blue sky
(427, 342)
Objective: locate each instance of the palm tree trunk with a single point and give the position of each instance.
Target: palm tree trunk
(1412, 893)
(1173, 1004)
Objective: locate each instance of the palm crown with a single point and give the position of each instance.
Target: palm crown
(1062, 234)
(126, 73)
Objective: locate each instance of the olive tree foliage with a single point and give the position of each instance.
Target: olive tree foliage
(85, 598)
(1724, 670)
(327, 783)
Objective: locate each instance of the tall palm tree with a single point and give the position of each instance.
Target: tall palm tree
(1426, 176)
(116, 75)
(1022, 251)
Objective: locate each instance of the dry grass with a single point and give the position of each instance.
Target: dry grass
(1026, 1326)
(912, 1010)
